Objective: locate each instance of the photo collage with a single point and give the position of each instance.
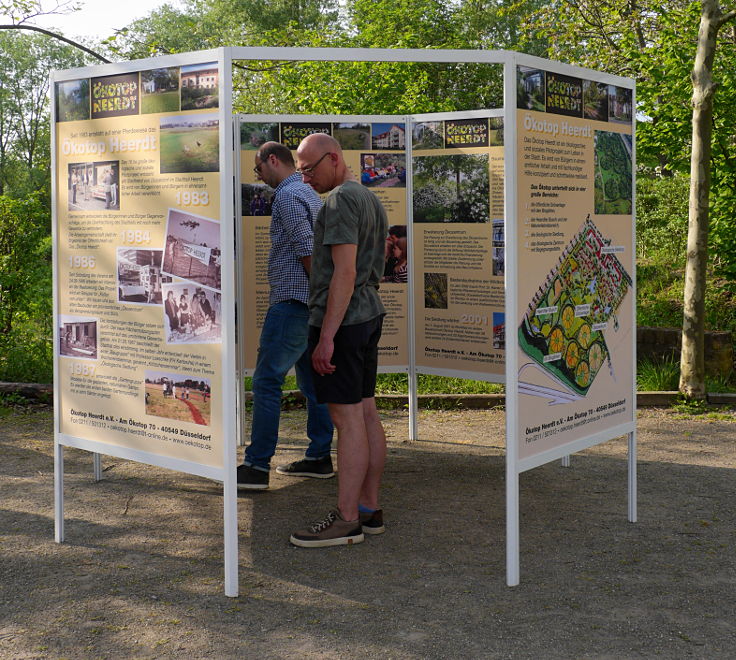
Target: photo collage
(140, 151)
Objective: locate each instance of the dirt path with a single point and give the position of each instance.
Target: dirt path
(196, 415)
(140, 575)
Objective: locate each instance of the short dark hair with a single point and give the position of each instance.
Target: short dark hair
(282, 153)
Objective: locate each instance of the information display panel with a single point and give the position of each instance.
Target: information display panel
(374, 149)
(574, 317)
(139, 247)
(459, 244)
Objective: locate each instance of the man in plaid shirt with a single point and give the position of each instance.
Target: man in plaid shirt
(285, 329)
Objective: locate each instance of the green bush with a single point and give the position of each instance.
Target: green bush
(26, 351)
(657, 376)
(661, 225)
(662, 217)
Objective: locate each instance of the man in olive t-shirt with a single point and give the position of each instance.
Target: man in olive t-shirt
(345, 321)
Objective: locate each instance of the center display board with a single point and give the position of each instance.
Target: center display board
(449, 245)
(458, 244)
(375, 151)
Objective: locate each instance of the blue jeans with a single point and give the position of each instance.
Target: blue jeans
(283, 345)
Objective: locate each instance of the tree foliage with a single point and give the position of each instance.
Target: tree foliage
(654, 41)
(25, 290)
(342, 87)
(26, 61)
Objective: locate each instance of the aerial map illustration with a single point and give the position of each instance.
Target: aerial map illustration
(563, 328)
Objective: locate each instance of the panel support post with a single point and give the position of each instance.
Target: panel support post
(97, 465)
(632, 477)
(512, 525)
(510, 295)
(231, 400)
(413, 404)
(230, 517)
(411, 326)
(58, 492)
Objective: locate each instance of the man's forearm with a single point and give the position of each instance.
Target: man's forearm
(338, 299)
(342, 285)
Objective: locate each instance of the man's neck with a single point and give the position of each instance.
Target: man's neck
(344, 176)
(284, 175)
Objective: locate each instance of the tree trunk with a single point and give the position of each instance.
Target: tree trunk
(692, 361)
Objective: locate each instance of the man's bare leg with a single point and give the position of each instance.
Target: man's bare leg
(353, 455)
(376, 454)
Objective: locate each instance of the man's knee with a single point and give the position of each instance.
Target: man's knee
(370, 411)
(344, 415)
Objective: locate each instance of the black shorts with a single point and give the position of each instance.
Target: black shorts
(356, 363)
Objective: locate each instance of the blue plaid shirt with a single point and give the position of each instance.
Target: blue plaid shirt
(294, 208)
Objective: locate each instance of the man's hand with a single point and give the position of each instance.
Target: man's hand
(322, 355)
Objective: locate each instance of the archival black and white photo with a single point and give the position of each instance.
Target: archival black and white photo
(78, 336)
(139, 276)
(193, 248)
(94, 186)
(191, 314)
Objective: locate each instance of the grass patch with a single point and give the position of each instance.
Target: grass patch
(160, 102)
(721, 384)
(658, 376)
(664, 376)
(426, 384)
(190, 150)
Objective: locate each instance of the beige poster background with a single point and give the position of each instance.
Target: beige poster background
(255, 245)
(459, 266)
(254, 249)
(574, 286)
(127, 376)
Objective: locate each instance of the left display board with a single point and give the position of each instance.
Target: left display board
(141, 292)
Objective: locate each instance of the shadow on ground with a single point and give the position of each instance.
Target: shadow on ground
(140, 574)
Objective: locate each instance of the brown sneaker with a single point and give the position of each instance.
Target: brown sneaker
(333, 530)
(372, 523)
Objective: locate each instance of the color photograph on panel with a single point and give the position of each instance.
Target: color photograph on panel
(190, 144)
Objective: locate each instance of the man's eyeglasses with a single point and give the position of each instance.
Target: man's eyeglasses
(307, 171)
(257, 168)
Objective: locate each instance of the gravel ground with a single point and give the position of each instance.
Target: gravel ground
(140, 575)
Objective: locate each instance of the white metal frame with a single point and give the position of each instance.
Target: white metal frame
(508, 60)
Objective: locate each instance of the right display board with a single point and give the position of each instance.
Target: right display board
(574, 320)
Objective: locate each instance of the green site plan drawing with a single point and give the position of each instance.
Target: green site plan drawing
(562, 329)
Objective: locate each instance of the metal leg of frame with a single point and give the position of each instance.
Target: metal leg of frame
(58, 493)
(512, 527)
(632, 478)
(97, 464)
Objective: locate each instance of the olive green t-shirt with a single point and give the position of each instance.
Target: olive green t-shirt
(353, 215)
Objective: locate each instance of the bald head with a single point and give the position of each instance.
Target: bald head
(319, 143)
(321, 163)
